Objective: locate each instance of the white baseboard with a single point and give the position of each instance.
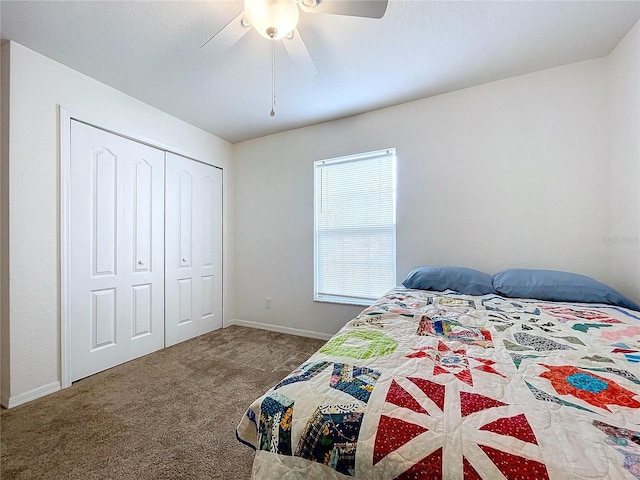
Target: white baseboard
(277, 328)
(31, 395)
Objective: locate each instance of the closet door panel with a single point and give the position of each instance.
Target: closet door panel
(143, 211)
(117, 250)
(103, 214)
(193, 240)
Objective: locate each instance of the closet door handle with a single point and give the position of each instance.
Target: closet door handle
(140, 262)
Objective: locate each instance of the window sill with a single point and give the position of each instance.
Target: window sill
(345, 301)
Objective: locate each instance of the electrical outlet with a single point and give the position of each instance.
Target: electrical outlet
(267, 303)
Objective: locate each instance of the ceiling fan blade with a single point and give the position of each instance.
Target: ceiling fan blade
(299, 54)
(229, 35)
(354, 8)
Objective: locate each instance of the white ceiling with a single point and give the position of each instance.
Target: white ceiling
(151, 51)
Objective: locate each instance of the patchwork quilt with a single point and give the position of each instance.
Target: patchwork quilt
(437, 385)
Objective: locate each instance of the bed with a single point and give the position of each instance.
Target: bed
(432, 383)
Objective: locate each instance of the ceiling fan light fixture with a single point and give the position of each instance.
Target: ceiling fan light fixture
(273, 19)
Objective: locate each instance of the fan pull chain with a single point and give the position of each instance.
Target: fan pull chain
(273, 77)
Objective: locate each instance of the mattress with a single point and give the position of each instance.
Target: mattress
(439, 385)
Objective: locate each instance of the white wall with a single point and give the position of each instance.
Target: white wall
(38, 86)
(623, 237)
(512, 173)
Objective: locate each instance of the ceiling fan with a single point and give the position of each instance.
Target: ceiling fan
(278, 19)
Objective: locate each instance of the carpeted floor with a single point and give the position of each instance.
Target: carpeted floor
(169, 415)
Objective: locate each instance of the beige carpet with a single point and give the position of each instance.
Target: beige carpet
(169, 415)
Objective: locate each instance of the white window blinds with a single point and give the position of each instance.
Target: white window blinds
(355, 227)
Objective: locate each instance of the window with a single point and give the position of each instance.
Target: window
(355, 227)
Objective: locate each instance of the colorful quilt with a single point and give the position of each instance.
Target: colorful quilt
(433, 385)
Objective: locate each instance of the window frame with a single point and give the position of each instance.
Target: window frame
(347, 299)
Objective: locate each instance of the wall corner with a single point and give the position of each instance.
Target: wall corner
(5, 385)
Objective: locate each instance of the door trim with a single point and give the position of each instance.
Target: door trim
(65, 116)
(65, 250)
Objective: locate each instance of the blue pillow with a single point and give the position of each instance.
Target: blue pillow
(458, 279)
(558, 287)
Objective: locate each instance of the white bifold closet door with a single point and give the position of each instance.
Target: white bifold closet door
(193, 242)
(117, 250)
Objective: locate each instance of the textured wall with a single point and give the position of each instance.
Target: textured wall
(623, 237)
(512, 173)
